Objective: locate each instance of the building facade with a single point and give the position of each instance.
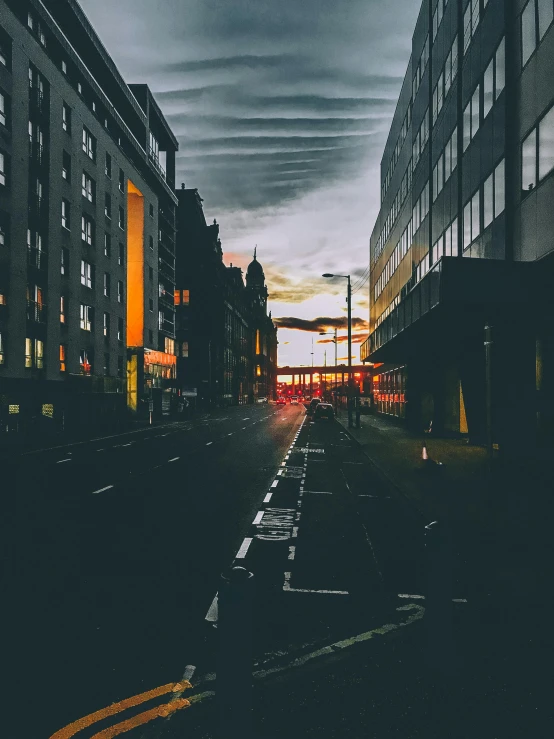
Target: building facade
(87, 226)
(226, 342)
(462, 251)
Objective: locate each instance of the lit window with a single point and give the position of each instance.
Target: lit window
(169, 345)
(28, 353)
(85, 317)
(5, 49)
(30, 21)
(62, 309)
(64, 263)
(86, 361)
(177, 297)
(186, 297)
(62, 358)
(185, 349)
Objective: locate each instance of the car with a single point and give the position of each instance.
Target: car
(312, 406)
(324, 411)
(281, 400)
(262, 400)
(294, 399)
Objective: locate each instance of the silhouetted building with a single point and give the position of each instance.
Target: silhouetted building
(464, 236)
(265, 333)
(87, 232)
(221, 324)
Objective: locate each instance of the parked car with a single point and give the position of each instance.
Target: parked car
(294, 399)
(281, 400)
(324, 411)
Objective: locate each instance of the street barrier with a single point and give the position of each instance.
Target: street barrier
(438, 596)
(235, 654)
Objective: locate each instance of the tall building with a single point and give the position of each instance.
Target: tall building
(226, 343)
(87, 225)
(464, 237)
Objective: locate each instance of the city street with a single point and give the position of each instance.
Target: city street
(116, 547)
(113, 548)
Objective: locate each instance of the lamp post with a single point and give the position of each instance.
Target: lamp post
(349, 305)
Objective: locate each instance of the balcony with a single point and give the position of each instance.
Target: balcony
(37, 258)
(166, 269)
(153, 158)
(167, 300)
(37, 153)
(36, 312)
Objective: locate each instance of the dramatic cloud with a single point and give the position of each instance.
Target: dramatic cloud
(318, 324)
(281, 110)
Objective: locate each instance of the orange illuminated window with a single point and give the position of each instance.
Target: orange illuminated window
(186, 297)
(258, 371)
(135, 266)
(62, 357)
(177, 297)
(258, 350)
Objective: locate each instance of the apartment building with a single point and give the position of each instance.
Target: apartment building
(462, 252)
(87, 227)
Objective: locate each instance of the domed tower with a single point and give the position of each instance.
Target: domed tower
(255, 284)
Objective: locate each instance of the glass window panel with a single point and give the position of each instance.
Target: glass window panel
(546, 144)
(440, 178)
(528, 31)
(467, 126)
(467, 27)
(499, 189)
(467, 224)
(528, 162)
(500, 69)
(474, 15)
(455, 237)
(546, 15)
(475, 112)
(488, 201)
(475, 221)
(488, 91)
(447, 160)
(454, 148)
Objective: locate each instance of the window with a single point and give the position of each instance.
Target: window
(5, 49)
(66, 220)
(499, 69)
(488, 201)
(3, 168)
(121, 180)
(546, 16)
(62, 309)
(150, 336)
(86, 317)
(106, 284)
(475, 110)
(86, 274)
(151, 242)
(86, 360)
(121, 254)
(4, 109)
(150, 305)
(488, 88)
(120, 366)
(177, 297)
(106, 364)
(169, 345)
(62, 358)
(119, 291)
(4, 229)
(475, 220)
(28, 353)
(88, 187)
(107, 205)
(108, 166)
(66, 118)
(186, 297)
(528, 32)
(528, 162)
(107, 325)
(34, 353)
(121, 219)
(107, 245)
(64, 66)
(160, 319)
(87, 229)
(546, 144)
(151, 210)
(499, 189)
(467, 224)
(89, 144)
(185, 349)
(64, 263)
(120, 329)
(66, 166)
(30, 21)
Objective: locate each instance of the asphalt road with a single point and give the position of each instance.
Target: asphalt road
(111, 554)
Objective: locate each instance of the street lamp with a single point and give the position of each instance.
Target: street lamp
(349, 305)
(331, 333)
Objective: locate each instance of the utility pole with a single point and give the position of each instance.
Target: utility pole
(349, 400)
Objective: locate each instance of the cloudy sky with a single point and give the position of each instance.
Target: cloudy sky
(281, 109)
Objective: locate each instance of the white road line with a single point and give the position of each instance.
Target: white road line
(210, 442)
(292, 551)
(287, 587)
(259, 516)
(243, 428)
(294, 532)
(174, 459)
(63, 460)
(268, 497)
(279, 472)
(274, 483)
(230, 434)
(99, 450)
(241, 554)
(422, 597)
(246, 419)
(211, 616)
(108, 487)
(318, 492)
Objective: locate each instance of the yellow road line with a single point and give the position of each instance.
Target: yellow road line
(142, 718)
(68, 731)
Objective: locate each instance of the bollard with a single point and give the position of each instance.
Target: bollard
(234, 662)
(438, 597)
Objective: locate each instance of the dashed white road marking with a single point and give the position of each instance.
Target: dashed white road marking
(422, 597)
(209, 442)
(246, 419)
(211, 616)
(279, 472)
(259, 516)
(318, 492)
(63, 460)
(241, 554)
(292, 551)
(287, 588)
(230, 434)
(174, 459)
(243, 428)
(108, 487)
(274, 483)
(268, 497)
